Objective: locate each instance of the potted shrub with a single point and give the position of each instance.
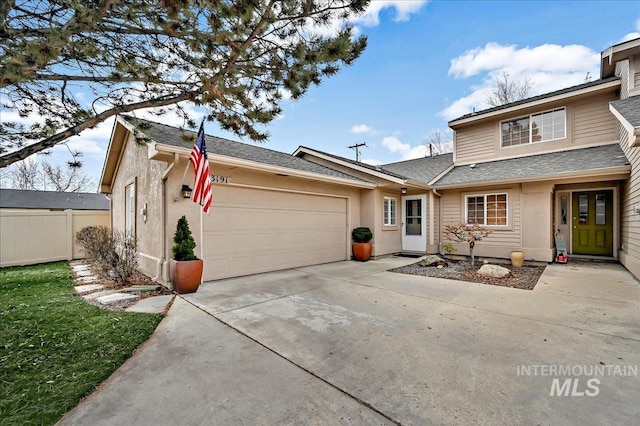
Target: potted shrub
(361, 243)
(185, 268)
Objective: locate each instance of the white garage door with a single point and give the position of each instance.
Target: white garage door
(249, 231)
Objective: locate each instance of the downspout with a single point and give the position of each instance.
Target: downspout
(434, 192)
(163, 219)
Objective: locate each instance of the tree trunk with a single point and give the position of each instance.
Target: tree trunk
(473, 260)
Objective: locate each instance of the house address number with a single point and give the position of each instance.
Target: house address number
(219, 179)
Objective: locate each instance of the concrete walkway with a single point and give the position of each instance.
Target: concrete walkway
(348, 343)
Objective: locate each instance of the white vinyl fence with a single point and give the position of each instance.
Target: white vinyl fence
(28, 237)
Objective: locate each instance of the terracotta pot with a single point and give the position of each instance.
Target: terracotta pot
(186, 275)
(517, 258)
(361, 251)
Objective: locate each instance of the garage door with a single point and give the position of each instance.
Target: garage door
(254, 230)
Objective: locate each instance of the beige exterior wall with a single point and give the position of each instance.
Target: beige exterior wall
(387, 239)
(135, 167)
(629, 250)
(40, 236)
(588, 122)
(242, 178)
(529, 225)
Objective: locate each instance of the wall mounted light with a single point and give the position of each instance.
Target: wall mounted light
(403, 190)
(186, 191)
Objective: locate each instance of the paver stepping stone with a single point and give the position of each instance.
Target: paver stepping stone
(80, 267)
(115, 298)
(87, 278)
(151, 305)
(99, 294)
(84, 273)
(141, 288)
(88, 288)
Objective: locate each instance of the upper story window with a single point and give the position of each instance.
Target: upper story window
(546, 126)
(390, 216)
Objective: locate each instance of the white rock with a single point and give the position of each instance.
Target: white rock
(494, 271)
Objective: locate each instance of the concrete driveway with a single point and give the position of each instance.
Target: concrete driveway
(348, 343)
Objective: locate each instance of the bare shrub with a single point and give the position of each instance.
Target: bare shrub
(466, 233)
(112, 255)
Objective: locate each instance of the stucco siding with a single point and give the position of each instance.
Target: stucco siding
(136, 168)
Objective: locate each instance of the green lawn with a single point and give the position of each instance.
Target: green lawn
(54, 347)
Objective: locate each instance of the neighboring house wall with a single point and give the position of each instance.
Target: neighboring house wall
(588, 122)
(136, 168)
(629, 252)
(39, 236)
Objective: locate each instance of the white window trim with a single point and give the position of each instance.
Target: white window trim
(531, 128)
(466, 208)
(132, 184)
(395, 203)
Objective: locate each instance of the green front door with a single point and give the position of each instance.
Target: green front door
(592, 223)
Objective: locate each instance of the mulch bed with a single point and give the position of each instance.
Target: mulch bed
(524, 278)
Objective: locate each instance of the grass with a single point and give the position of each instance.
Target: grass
(55, 348)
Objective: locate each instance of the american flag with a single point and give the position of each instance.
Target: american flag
(202, 193)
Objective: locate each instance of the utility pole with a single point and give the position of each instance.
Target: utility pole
(356, 147)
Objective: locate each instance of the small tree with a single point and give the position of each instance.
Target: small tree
(183, 241)
(506, 91)
(466, 233)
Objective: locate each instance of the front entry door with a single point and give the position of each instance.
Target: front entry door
(414, 223)
(592, 216)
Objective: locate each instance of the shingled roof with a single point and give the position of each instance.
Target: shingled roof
(378, 169)
(174, 136)
(629, 109)
(549, 165)
(423, 169)
(21, 199)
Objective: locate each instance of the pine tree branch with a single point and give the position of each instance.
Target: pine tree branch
(53, 140)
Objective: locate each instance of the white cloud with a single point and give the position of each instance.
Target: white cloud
(633, 34)
(403, 11)
(364, 129)
(370, 17)
(549, 66)
(371, 161)
(406, 151)
(360, 128)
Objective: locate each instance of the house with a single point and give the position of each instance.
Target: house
(562, 163)
(40, 226)
(270, 210)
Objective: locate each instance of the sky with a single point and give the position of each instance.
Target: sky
(426, 63)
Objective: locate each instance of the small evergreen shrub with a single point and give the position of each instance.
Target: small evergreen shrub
(361, 235)
(183, 241)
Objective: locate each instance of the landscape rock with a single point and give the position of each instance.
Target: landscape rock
(495, 271)
(433, 260)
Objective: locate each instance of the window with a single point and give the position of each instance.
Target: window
(489, 209)
(546, 126)
(130, 210)
(390, 218)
